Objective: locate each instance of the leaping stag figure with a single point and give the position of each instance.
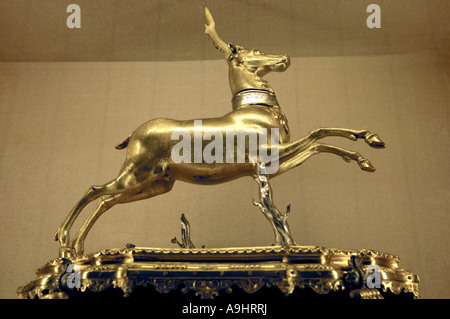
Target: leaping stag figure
(149, 169)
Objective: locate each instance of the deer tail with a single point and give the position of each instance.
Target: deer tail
(124, 144)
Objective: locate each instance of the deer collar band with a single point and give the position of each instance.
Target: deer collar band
(254, 97)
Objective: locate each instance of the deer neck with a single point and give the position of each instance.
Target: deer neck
(267, 100)
(241, 79)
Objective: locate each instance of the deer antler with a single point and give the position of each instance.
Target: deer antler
(210, 31)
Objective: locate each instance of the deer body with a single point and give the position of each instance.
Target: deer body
(149, 169)
(152, 142)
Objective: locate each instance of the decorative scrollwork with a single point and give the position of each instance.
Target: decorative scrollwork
(96, 285)
(125, 284)
(206, 289)
(164, 286)
(208, 272)
(251, 285)
(322, 286)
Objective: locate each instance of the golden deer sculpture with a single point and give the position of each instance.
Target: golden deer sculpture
(150, 169)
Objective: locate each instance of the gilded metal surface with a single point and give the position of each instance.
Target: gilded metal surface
(210, 271)
(149, 170)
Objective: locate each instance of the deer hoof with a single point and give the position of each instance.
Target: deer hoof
(78, 248)
(56, 236)
(62, 237)
(374, 141)
(365, 165)
(65, 253)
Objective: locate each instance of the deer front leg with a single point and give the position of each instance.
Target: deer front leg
(370, 138)
(347, 155)
(302, 156)
(294, 153)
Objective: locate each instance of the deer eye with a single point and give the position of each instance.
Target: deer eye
(233, 48)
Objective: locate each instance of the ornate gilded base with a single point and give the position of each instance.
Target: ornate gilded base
(212, 273)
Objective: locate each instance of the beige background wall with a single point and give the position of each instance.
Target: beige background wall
(59, 122)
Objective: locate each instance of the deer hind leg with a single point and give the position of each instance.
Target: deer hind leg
(347, 155)
(62, 234)
(106, 202)
(94, 192)
(126, 181)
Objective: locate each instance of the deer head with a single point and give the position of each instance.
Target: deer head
(254, 61)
